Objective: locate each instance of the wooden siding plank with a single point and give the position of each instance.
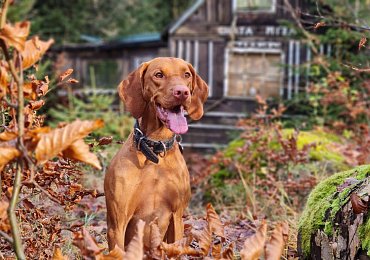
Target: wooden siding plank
(210, 67)
(196, 55)
(290, 68)
(180, 49)
(187, 50)
(308, 68)
(296, 67)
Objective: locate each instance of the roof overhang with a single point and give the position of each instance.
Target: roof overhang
(185, 16)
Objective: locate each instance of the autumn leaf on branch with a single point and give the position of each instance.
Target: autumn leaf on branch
(58, 140)
(7, 136)
(16, 35)
(80, 151)
(362, 42)
(36, 88)
(4, 221)
(6, 155)
(318, 25)
(4, 78)
(34, 50)
(65, 74)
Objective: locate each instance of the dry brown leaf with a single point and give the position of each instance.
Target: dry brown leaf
(6, 155)
(116, 254)
(105, 140)
(4, 77)
(33, 51)
(65, 74)
(204, 238)
(4, 221)
(58, 140)
(180, 247)
(214, 221)
(228, 253)
(16, 35)
(135, 250)
(155, 240)
(86, 243)
(7, 136)
(57, 255)
(35, 105)
(72, 81)
(318, 25)
(358, 205)
(362, 42)
(254, 245)
(285, 231)
(275, 247)
(80, 151)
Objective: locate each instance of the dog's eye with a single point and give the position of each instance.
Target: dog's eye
(159, 75)
(187, 75)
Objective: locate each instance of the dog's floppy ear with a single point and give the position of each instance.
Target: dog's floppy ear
(130, 91)
(199, 95)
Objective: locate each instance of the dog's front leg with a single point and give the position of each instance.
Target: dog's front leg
(117, 222)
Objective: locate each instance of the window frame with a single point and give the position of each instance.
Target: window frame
(230, 50)
(271, 10)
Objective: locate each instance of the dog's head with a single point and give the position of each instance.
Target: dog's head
(171, 85)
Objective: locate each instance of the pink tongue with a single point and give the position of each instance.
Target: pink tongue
(177, 122)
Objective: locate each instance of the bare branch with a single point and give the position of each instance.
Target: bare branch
(356, 68)
(6, 236)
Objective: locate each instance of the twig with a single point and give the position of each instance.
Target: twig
(356, 68)
(335, 22)
(46, 193)
(9, 104)
(311, 38)
(17, 242)
(6, 236)
(4, 10)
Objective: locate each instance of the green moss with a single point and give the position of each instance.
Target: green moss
(323, 142)
(364, 234)
(324, 200)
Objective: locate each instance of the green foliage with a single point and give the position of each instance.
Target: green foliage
(66, 22)
(323, 150)
(92, 107)
(325, 201)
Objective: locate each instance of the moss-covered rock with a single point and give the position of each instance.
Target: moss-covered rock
(323, 205)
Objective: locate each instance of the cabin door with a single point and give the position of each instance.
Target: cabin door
(252, 73)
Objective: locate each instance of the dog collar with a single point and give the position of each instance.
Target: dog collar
(152, 149)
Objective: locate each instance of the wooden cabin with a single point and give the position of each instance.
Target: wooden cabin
(240, 47)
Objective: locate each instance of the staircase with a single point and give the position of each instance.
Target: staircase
(217, 127)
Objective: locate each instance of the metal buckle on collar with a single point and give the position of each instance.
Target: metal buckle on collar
(139, 143)
(178, 139)
(164, 150)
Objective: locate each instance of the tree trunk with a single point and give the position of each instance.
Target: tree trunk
(341, 233)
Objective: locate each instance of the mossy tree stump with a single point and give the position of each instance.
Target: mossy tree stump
(336, 221)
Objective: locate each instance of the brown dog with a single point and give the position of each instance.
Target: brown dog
(148, 178)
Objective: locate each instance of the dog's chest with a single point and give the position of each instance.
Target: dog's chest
(165, 185)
